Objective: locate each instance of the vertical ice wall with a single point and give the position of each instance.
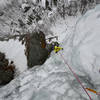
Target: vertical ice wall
(86, 46)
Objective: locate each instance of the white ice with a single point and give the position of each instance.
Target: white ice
(53, 80)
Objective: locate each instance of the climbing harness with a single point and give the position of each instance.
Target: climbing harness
(75, 75)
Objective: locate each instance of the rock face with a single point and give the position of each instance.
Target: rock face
(6, 70)
(36, 51)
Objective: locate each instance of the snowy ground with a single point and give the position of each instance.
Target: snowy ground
(14, 49)
(53, 80)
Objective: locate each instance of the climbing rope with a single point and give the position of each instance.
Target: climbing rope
(75, 75)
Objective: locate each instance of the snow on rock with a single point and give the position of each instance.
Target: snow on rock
(14, 51)
(26, 50)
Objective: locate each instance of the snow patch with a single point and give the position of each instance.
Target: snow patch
(14, 51)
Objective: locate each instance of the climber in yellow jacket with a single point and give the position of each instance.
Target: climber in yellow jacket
(57, 49)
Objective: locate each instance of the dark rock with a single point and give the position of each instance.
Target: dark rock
(6, 62)
(2, 65)
(36, 50)
(6, 70)
(6, 76)
(2, 56)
